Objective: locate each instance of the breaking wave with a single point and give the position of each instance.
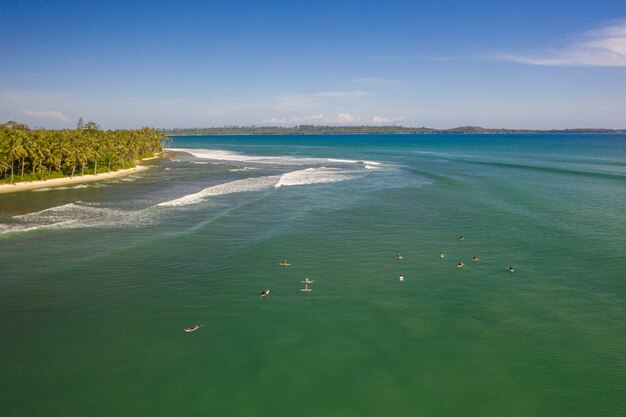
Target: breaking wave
(239, 186)
(77, 215)
(320, 175)
(230, 156)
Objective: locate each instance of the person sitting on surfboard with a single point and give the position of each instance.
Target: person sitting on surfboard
(398, 256)
(265, 293)
(441, 254)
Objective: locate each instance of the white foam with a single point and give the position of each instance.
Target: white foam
(76, 215)
(239, 186)
(230, 156)
(74, 187)
(371, 167)
(320, 175)
(345, 161)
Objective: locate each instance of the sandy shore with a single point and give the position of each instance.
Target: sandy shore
(56, 182)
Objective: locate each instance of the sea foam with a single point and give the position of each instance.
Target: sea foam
(239, 186)
(231, 156)
(320, 175)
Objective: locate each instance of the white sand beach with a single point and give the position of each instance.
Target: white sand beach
(56, 182)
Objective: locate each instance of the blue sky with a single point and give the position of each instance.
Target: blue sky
(515, 64)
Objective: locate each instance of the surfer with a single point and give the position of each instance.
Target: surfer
(284, 263)
(441, 255)
(461, 264)
(265, 293)
(461, 237)
(510, 268)
(308, 281)
(399, 257)
(475, 258)
(191, 329)
(401, 278)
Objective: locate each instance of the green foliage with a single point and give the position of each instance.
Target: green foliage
(27, 155)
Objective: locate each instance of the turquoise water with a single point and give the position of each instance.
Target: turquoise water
(98, 281)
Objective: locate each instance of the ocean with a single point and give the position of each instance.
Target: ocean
(98, 281)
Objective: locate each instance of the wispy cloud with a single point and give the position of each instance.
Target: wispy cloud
(170, 102)
(604, 47)
(340, 94)
(376, 82)
(47, 115)
(299, 102)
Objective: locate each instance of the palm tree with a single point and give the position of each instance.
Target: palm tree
(14, 150)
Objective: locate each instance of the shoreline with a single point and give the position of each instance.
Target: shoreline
(57, 182)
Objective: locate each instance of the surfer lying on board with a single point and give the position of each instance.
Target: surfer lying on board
(191, 329)
(265, 293)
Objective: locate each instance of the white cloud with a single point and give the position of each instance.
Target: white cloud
(47, 115)
(382, 120)
(347, 118)
(605, 47)
(316, 119)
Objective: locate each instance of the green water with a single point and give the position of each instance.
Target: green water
(97, 282)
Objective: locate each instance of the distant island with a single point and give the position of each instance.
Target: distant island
(329, 130)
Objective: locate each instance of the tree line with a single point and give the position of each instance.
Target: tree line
(336, 130)
(28, 155)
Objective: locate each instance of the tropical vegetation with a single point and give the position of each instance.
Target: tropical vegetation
(28, 155)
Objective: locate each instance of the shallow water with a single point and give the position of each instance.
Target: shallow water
(98, 281)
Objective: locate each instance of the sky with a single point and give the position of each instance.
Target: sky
(547, 64)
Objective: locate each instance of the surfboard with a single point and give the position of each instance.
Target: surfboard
(191, 329)
(283, 264)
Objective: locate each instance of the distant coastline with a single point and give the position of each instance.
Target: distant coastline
(337, 130)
